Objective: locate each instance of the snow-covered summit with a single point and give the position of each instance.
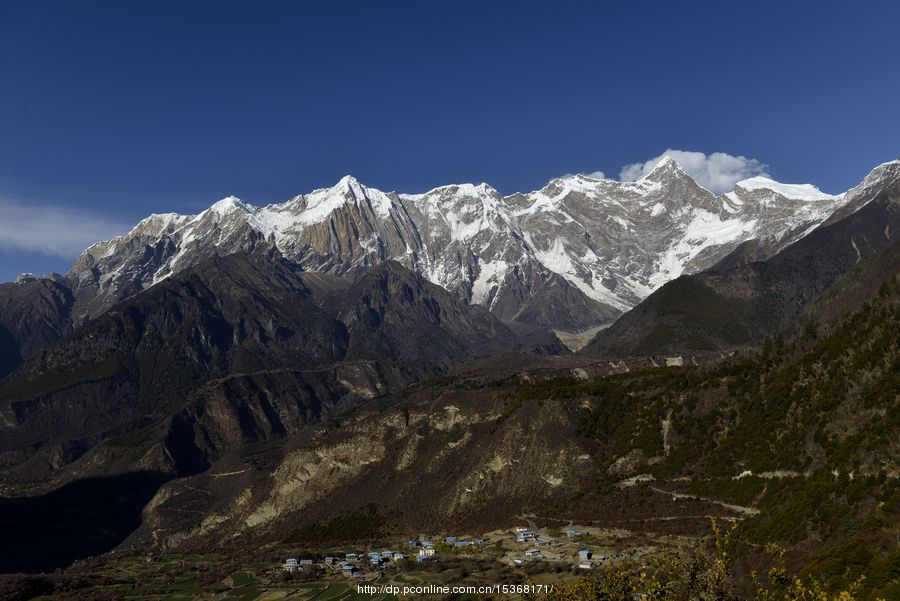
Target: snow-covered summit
(667, 163)
(879, 176)
(230, 204)
(795, 191)
(606, 242)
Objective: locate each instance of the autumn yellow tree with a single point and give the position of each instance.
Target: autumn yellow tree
(701, 574)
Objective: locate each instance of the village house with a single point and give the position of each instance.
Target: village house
(585, 554)
(290, 565)
(533, 553)
(585, 565)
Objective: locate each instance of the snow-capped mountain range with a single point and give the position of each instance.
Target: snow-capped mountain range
(572, 255)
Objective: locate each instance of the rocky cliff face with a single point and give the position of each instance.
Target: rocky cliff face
(742, 301)
(600, 246)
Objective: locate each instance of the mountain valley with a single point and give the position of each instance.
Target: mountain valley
(637, 357)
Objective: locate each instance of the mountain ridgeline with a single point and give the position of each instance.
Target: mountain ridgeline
(253, 372)
(739, 303)
(570, 257)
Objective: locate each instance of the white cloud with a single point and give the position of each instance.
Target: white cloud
(592, 174)
(718, 172)
(53, 230)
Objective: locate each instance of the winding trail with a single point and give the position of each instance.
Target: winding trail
(749, 511)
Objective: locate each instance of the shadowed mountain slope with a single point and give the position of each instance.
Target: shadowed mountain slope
(740, 303)
(240, 314)
(34, 313)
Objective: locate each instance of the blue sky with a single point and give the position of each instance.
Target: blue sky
(113, 110)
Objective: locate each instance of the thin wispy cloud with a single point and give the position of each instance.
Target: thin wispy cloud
(717, 172)
(57, 231)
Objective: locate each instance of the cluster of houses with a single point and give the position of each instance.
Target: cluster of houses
(524, 535)
(349, 564)
(425, 547)
(294, 565)
(586, 560)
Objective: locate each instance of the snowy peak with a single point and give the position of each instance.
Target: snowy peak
(666, 165)
(676, 187)
(351, 186)
(317, 206)
(881, 177)
(883, 174)
(669, 172)
(806, 192)
(473, 191)
(605, 242)
(348, 182)
(481, 190)
(230, 204)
